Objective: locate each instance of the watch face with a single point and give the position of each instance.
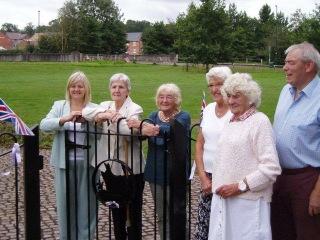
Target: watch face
(242, 186)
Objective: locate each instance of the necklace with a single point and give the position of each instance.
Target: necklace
(220, 113)
(163, 118)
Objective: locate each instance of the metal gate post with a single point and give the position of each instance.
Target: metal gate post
(178, 181)
(33, 162)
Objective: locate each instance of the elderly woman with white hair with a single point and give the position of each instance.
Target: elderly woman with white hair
(168, 101)
(246, 167)
(214, 117)
(108, 113)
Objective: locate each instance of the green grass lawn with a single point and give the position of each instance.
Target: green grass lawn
(30, 88)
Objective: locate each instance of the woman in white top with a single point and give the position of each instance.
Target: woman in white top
(215, 115)
(246, 167)
(126, 150)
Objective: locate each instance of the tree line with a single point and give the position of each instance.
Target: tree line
(207, 33)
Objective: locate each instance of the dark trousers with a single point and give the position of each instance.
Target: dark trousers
(132, 227)
(290, 219)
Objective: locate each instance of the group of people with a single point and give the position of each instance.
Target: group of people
(258, 181)
(119, 115)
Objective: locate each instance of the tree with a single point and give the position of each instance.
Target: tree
(136, 26)
(203, 33)
(29, 29)
(243, 44)
(9, 27)
(265, 14)
(90, 26)
(159, 38)
(48, 44)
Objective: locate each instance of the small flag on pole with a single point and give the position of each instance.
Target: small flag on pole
(7, 115)
(203, 104)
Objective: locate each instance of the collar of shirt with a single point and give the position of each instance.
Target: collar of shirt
(252, 110)
(307, 90)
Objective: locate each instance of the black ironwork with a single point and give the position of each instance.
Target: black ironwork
(14, 138)
(176, 194)
(179, 169)
(33, 163)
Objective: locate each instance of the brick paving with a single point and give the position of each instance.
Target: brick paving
(49, 226)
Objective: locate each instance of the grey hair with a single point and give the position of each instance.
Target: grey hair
(222, 72)
(120, 77)
(75, 77)
(307, 53)
(174, 90)
(242, 83)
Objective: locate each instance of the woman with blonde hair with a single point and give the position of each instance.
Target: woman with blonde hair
(66, 115)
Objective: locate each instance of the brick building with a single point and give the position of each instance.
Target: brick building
(134, 43)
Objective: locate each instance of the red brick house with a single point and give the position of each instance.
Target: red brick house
(134, 43)
(17, 39)
(5, 42)
(12, 40)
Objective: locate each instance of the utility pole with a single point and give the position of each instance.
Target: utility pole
(38, 18)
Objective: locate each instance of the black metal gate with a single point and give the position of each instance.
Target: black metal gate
(26, 210)
(176, 198)
(175, 206)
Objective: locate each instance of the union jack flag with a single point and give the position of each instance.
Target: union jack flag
(7, 115)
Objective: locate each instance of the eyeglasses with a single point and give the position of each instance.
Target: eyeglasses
(167, 97)
(215, 85)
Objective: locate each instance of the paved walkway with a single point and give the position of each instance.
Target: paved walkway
(48, 209)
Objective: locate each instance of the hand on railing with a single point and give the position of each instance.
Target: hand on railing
(147, 129)
(72, 117)
(150, 129)
(110, 115)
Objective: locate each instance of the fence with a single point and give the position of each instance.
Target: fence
(118, 183)
(30, 218)
(82, 57)
(177, 218)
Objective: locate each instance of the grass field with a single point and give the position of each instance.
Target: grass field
(30, 88)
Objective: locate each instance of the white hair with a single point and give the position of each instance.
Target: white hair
(307, 53)
(120, 77)
(242, 83)
(222, 72)
(174, 90)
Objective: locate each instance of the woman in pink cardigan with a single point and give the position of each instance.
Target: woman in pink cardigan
(246, 167)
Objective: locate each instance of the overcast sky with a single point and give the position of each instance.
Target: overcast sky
(21, 12)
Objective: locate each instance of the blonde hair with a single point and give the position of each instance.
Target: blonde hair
(79, 77)
(172, 89)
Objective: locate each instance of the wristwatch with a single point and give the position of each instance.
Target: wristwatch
(243, 186)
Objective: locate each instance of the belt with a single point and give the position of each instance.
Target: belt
(294, 171)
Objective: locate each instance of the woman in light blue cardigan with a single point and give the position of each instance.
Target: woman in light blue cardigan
(66, 115)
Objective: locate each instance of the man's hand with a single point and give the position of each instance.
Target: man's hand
(314, 203)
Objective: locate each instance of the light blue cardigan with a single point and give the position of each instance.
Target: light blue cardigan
(50, 124)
